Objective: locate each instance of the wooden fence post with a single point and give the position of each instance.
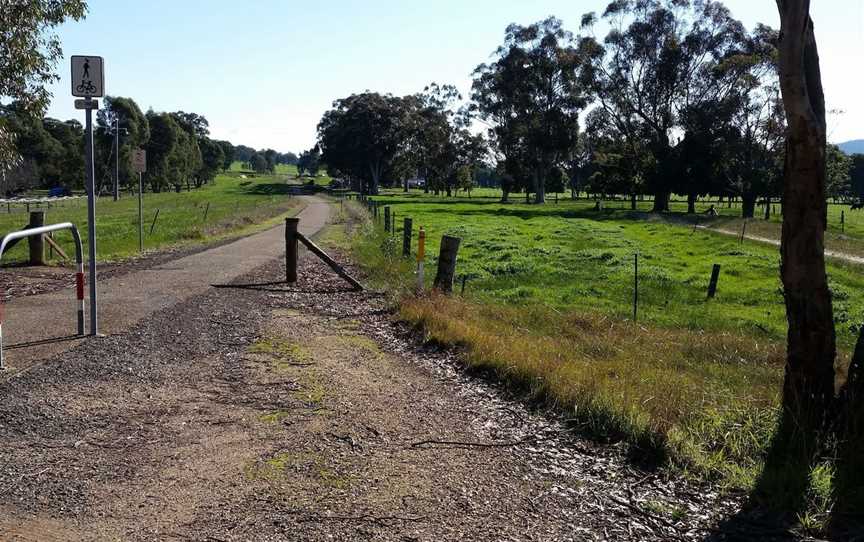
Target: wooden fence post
(712, 285)
(291, 249)
(387, 218)
(153, 225)
(447, 264)
(406, 237)
(36, 243)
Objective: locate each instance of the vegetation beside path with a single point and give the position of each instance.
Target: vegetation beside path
(237, 202)
(548, 309)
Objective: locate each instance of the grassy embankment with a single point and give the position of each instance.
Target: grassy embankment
(548, 308)
(239, 202)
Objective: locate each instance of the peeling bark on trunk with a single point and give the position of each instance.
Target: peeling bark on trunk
(809, 381)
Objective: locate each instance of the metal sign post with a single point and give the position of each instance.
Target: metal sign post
(88, 81)
(139, 163)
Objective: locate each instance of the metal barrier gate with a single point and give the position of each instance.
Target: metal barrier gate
(79, 274)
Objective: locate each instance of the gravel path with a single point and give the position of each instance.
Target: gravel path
(265, 412)
(125, 299)
(259, 411)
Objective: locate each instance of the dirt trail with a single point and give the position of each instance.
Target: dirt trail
(126, 299)
(266, 412)
(829, 253)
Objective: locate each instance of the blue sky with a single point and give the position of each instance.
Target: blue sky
(263, 71)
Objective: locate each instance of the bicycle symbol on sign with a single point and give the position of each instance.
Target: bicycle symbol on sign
(86, 87)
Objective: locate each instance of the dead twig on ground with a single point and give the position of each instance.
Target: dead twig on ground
(464, 444)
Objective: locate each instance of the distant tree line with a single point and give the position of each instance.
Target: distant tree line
(680, 99)
(372, 140)
(180, 152)
(263, 161)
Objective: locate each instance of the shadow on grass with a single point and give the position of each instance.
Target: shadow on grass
(528, 212)
(276, 189)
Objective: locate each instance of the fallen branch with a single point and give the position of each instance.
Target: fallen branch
(462, 444)
(378, 520)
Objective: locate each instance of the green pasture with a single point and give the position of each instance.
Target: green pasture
(569, 256)
(234, 202)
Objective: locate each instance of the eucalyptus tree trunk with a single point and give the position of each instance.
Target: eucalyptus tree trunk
(808, 387)
(748, 204)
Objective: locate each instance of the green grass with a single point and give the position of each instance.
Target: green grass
(236, 205)
(570, 257)
(694, 384)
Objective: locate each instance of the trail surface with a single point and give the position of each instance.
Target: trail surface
(829, 253)
(37, 326)
(266, 412)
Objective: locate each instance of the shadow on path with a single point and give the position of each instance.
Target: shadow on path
(51, 340)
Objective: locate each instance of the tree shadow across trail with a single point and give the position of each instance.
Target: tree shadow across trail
(40, 342)
(281, 287)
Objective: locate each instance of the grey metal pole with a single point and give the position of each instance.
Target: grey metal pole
(140, 213)
(91, 217)
(116, 158)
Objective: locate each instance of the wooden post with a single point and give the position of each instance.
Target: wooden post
(153, 225)
(712, 285)
(387, 218)
(446, 263)
(743, 230)
(36, 243)
(465, 277)
(329, 261)
(393, 223)
(206, 210)
(291, 249)
(406, 237)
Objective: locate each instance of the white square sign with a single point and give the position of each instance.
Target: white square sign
(139, 160)
(88, 78)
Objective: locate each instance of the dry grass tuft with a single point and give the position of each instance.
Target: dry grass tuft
(706, 401)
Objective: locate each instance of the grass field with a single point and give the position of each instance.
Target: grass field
(845, 231)
(234, 202)
(548, 308)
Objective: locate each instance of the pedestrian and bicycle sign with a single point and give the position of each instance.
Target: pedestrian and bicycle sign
(88, 82)
(88, 79)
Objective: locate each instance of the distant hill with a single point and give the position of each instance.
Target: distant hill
(856, 146)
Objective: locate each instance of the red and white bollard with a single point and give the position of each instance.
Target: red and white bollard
(79, 293)
(2, 364)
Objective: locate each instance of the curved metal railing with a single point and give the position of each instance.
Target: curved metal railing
(79, 274)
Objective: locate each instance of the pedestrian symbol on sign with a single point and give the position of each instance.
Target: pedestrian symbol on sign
(87, 77)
